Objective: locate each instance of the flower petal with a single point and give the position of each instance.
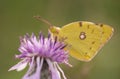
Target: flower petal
(57, 66)
(34, 69)
(54, 71)
(20, 66)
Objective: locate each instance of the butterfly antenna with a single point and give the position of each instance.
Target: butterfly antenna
(43, 20)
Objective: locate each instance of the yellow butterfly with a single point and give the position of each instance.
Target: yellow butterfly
(85, 38)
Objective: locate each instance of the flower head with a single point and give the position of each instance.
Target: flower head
(40, 52)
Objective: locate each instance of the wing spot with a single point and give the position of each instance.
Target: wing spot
(93, 42)
(88, 26)
(82, 35)
(80, 24)
(90, 48)
(103, 32)
(101, 25)
(96, 24)
(86, 53)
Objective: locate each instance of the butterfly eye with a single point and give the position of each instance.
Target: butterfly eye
(82, 35)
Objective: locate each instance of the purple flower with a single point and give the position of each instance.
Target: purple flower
(41, 54)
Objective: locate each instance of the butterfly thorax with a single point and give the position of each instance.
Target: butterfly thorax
(54, 30)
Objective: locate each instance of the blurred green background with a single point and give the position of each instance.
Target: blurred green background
(16, 19)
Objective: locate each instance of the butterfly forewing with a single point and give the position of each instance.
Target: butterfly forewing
(84, 39)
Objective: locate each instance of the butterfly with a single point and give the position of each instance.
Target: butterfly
(84, 38)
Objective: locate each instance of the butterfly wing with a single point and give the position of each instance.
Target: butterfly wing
(107, 32)
(84, 38)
